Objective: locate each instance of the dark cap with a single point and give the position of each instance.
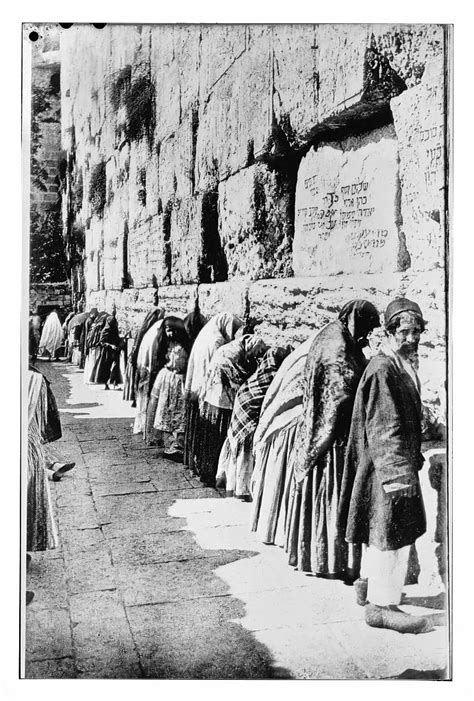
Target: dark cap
(400, 305)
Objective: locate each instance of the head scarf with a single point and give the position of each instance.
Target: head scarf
(218, 331)
(366, 316)
(152, 316)
(230, 366)
(110, 331)
(193, 323)
(249, 398)
(161, 345)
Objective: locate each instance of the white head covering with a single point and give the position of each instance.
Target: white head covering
(218, 330)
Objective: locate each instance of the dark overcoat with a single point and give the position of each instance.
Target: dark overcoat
(384, 447)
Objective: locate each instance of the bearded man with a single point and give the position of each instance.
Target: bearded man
(381, 504)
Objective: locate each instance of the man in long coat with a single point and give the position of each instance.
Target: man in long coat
(381, 504)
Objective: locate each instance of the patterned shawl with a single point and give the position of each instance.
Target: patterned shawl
(332, 372)
(250, 396)
(284, 398)
(95, 330)
(218, 330)
(230, 366)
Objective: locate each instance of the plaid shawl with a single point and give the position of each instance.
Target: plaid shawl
(231, 365)
(249, 398)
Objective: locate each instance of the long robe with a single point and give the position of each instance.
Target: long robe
(274, 447)
(51, 335)
(332, 372)
(143, 373)
(236, 458)
(107, 366)
(43, 425)
(129, 384)
(230, 366)
(384, 447)
(214, 334)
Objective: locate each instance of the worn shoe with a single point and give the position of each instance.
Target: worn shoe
(392, 618)
(360, 586)
(62, 468)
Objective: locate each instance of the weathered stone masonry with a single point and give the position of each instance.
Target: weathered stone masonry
(274, 171)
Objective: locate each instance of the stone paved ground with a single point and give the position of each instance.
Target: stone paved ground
(157, 576)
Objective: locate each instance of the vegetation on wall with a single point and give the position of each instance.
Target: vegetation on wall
(47, 255)
(138, 97)
(47, 252)
(98, 188)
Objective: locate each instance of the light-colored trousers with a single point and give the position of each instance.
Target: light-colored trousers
(386, 571)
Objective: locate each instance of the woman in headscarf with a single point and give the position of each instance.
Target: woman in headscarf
(92, 316)
(51, 336)
(93, 344)
(144, 372)
(41, 532)
(165, 411)
(129, 385)
(333, 369)
(236, 458)
(274, 443)
(107, 366)
(230, 367)
(217, 331)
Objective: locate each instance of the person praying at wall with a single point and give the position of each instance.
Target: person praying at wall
(93, 344)
(51, 337)
(130, 372)
(106, 370)
(220, 329)
(165, 411)
(231, 365)
(144, 371)
(332, 372)
(236, 458)
(274, 447)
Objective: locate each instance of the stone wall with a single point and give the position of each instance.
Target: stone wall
(274, 171)
(49, 295)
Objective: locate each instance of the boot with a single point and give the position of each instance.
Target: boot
(360, 586)
(392, 618)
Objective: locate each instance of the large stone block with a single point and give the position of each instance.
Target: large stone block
(346, 209)
(231, 296)
(255, 222)
(294, 63)
(235, 122)
(186, 240)
(419, 120)
(176, 161)
(177, 299)
(174, 57)
(409, 47)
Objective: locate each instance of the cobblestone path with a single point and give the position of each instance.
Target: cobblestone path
(157, 576)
